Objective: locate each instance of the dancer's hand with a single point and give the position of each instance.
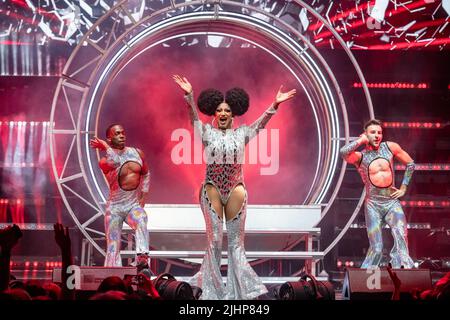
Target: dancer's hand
(284, 96)
(363, 139)
(398, 193)
(97, 143)
(183, 83)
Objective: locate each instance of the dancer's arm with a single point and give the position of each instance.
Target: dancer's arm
(111, 161)
(405, 159)
(261, 122)
(349, 153)
(189, 97)
(145, 172)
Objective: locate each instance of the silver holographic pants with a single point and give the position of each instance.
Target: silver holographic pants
(136, 218)
(242, 281)
(377, 213)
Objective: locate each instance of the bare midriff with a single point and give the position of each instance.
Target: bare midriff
(380, 173)
(130, 175)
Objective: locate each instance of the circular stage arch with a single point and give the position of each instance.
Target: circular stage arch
(97, 62)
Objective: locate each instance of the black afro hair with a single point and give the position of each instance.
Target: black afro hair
(208, 100)
(238, 100)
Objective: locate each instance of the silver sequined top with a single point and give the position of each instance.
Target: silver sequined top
(120, 199)
(367, 157)
(225, 149)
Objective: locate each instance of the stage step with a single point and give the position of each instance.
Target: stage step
(265, 280)
(300, 255)
(152, 230)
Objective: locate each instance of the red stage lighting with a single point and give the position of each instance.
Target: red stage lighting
(392, 85)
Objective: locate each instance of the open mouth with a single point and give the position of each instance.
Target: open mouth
(222, 121)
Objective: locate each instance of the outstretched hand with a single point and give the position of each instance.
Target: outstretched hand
(284, 96)
(183, 83)
(62, 237)
(97, 143)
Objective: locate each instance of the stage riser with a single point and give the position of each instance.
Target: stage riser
(363, 284)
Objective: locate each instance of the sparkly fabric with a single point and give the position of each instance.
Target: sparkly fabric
(242, 281)
(349, 148)
(123, 205)
(409, 170)
(145, 182)
(225, 154)
(377, 213)
(381, 209)
(136, 218)
(225, 150)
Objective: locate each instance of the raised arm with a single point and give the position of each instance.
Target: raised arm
(189, 97)
(9, 237)
(62, 239)
(349, 153)
(111, 161)
(405, 159)
(261, 122)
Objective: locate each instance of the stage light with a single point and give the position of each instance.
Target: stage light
(415, 226)
(35, 264)
(393, 85)
(27, 264)
(339, 264)
(414, 125)
(305, 289)
(426, 203)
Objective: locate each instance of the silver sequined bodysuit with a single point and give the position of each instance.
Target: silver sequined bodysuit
(367, 158)
(224, 155)
(381, 209)
(123, 206)
(120, 199)
(225, 150)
